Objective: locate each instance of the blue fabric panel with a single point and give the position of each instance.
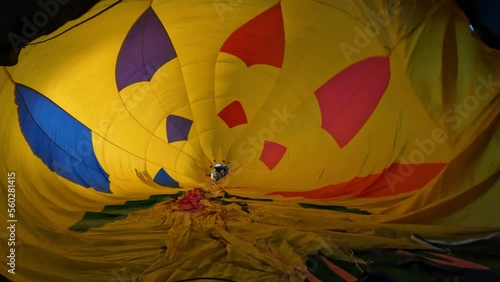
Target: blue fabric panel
(162, 178)
(59, 140)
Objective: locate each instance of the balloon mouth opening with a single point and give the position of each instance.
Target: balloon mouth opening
(219, 171)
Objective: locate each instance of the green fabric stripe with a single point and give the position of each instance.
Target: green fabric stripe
(113, 213)
(334, 208)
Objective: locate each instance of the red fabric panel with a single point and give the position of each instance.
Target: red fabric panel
(348, 99)
(233, 114)
(272, 153)
(397, 179)
(259, 41)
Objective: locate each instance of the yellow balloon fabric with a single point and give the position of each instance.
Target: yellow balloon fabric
(345, 125)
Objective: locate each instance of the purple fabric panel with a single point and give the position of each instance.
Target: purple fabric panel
(145, 49)
(178, 128)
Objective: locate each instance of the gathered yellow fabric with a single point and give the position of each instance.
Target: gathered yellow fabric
(345, 125)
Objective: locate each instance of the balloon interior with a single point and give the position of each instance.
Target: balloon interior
(256, 140)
